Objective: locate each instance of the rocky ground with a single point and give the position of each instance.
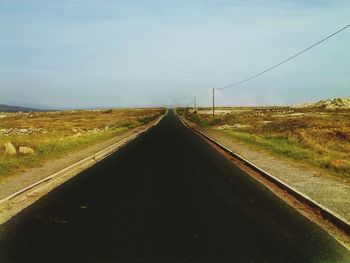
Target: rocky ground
(332, 104)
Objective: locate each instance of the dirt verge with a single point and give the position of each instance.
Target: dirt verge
(304, 209)
(12, 206)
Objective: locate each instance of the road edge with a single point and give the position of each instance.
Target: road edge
(8, 202)
(326, 213)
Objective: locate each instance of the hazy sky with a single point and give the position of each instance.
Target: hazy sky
(163, 52)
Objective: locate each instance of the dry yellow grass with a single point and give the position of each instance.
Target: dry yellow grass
(52, 134)
(315, 136)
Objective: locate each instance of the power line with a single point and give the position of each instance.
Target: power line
(282, 62)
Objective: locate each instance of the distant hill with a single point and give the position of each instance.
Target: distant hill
(8, 108)
(337, 103)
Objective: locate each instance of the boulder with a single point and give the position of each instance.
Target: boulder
(9, 148)
(25, 150)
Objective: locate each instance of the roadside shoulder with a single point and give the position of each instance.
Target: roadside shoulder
(40, 181)
(326, 191)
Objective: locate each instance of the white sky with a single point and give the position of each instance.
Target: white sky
(162, 53)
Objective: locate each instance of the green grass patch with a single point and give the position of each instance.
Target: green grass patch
(200, 121)
(289, 148)
(66, 144)
(53, 148)
(145, 119)
(281, 146)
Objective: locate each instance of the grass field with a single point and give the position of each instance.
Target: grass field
(54, 134)
(318, 137)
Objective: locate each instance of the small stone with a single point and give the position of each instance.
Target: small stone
(9, 148)
(25, 150)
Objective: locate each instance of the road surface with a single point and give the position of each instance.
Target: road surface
(167, 196)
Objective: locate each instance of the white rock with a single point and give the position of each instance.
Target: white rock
(25, 150)
(9, 148)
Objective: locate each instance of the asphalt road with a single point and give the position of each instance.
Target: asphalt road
(165, 197)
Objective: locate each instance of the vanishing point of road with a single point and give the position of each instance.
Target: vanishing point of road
(167, 196)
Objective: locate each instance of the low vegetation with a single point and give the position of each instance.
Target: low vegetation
(316, 136)
(54, 134)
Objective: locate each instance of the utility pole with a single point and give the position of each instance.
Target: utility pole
(194, 104)
(213, 101)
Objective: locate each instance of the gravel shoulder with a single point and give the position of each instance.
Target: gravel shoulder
(328, 190)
